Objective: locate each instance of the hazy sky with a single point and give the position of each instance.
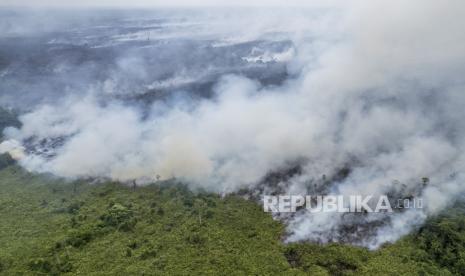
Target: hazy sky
(123, 3)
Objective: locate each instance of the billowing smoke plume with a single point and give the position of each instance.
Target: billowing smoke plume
(371, 93)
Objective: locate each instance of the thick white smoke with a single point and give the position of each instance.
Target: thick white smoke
(380, 92)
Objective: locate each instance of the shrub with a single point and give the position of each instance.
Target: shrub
(79, 238)
(74, 207)
(148, 253)
(120, 217)
(196, 238)
(40, 265)
(48, 267)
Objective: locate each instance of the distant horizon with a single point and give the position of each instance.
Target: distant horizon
(164, 3)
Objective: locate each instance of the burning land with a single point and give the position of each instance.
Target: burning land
(322, 138)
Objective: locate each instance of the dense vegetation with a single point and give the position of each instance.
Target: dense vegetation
(52, 227)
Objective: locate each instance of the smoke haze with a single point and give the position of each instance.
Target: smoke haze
(363, 95)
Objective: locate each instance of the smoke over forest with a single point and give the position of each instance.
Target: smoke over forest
(359, 99)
